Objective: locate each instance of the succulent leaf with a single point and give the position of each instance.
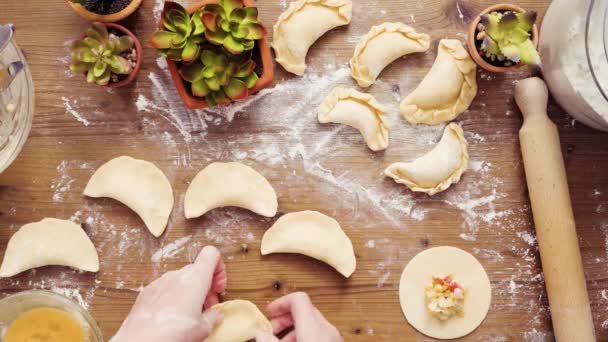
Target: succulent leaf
(118, 65)
(99, 68)
(213, 83)
(79, 67)
(231, 5)
(233, 45)
(529, 55)
(91, 75)
(122, 44)
(507, 35)
(256, 31)
(190, 51)
(216, 37)
(163, 39)
(200, 88)
(251, 15)
(192, 72)
(236, 89)
(104, 78)
(245, 69)
(197, 22)
(251, 80)
(209, 21)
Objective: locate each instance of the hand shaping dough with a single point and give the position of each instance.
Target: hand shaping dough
(361, 111)
(447, 90)
(441, 261)
(242, 320)
(313, 234)
(138, 184)
(302, 24)
(229, 184)
(438, 169)
(381, 46)
(49, 242)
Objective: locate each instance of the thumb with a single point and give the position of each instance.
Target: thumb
(209, 320)
(264, 336)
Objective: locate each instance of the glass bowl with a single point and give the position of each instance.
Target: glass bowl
(15, 124)
(11, 307)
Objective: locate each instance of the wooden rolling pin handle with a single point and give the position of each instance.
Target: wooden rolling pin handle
(553, 217)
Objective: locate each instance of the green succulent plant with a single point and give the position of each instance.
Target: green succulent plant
(506, 36)
(99, 55)
(182, 36)
(219, 77)
(232, 25)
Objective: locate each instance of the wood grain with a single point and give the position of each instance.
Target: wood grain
(338, 176)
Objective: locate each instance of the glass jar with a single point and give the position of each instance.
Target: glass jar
(574, 49)
(16, 107)
(13, 306)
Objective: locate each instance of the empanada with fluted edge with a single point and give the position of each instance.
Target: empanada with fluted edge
(438, 169)
(302, 24)
(447, 90)
(381, 46)
(361, 111)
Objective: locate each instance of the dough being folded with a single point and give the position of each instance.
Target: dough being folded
(49, 242)
(242, 320)
(361, 111)
(381, 46)
(301, 25)
(229, 184)
(447, 90)
(438, 169)
(138, 184)
(315, 235)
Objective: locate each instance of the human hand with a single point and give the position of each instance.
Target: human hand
(296, 310)
(171, 307)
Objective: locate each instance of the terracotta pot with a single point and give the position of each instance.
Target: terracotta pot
(138, 51)
(473, 30)
(193, 102)
(104, 18)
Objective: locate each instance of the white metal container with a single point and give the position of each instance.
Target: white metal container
(574, 50)
(16, 108)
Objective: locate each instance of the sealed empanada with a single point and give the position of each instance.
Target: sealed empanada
(447, 90)
(381, 46)
(438, 169)
(361, 111)
(302, 24)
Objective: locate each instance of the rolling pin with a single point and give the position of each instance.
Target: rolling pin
(553, 217)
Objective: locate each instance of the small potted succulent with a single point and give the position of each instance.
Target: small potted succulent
(106, 11)
(216, 51)
(108, 54)
(504, 37)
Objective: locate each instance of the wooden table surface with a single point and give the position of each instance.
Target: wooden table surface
(78, 126)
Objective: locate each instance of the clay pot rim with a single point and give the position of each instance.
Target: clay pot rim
(105, 18)
(473, 29)
(138, 49)
(193, 102)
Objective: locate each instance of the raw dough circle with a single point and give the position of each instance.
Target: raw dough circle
(465, 269)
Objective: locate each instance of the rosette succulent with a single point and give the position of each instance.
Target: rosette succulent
(101, 54)
(182, 36)
(219, 77)
(232, 25)
(505, 37)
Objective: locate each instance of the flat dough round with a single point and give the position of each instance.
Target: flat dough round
(465, 269)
